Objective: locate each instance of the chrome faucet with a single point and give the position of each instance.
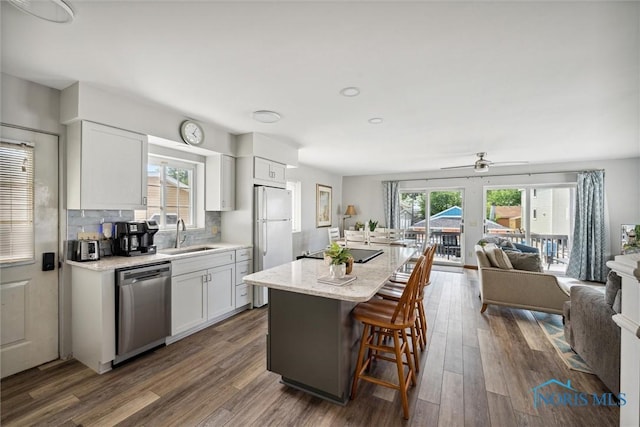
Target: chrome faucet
(178, 241)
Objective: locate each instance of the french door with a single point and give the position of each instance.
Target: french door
(437, 216)
(536, 216)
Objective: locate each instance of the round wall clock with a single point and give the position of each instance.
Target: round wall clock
(191, 132)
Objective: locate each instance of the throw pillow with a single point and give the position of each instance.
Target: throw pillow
(525, 261)
(614, 283)
(489, 251)
(498, 241)
(502, 260)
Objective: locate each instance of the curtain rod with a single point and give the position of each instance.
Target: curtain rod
(494, 175)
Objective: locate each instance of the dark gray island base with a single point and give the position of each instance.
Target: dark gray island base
(313, 343)
(312, 340)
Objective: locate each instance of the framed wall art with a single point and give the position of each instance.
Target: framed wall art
(323, 206)
(630, 239)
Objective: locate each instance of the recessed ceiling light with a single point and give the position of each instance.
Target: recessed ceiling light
(350, 91)
(266, 116)
(376, 120)
(50, 10)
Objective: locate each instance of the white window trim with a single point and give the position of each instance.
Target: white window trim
(198, 168)
(296, 205)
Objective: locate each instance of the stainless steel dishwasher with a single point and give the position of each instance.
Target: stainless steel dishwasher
(143, 309)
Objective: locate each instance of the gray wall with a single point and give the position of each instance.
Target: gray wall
(312, 238)
(621, 185)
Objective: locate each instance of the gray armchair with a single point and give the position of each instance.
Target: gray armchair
(590, 330)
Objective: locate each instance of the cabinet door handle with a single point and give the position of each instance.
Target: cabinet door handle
(144, 201)
(204, 278)
(210, 279)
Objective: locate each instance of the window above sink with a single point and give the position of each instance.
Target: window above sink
(173, 192)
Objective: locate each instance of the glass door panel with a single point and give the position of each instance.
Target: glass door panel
(446, 225)
(412, 215)
(538, 217)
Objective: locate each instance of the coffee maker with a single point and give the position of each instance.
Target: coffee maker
(151, 228)
(133, 238)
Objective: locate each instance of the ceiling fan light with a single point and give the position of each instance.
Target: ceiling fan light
(482, 168)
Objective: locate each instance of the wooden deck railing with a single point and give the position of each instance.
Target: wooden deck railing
(552, 247)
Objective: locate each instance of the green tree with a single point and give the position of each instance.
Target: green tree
(181, 175)
(503, 197)
(441, 200)
(414, 203)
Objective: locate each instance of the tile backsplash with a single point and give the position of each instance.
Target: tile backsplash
(87, 220)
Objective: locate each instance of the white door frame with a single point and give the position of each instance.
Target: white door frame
(48, 345)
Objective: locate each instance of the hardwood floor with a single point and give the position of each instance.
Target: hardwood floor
(478, 370)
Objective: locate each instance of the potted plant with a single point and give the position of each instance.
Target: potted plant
(359, 226)
(340, 257)
(372, 225)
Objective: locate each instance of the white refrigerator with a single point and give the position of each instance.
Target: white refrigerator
(271, 233)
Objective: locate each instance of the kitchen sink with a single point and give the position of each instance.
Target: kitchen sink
(187, 250)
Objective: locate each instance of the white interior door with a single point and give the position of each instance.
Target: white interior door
(28, 295)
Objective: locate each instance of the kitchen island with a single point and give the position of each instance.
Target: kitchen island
(312, 340)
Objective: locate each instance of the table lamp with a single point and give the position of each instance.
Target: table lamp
(351, 210)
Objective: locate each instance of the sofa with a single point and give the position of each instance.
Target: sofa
(532, 290)
(591, 332)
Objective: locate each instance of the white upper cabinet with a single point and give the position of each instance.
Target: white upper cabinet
(106, 167)
(220, 183)
(268, 172)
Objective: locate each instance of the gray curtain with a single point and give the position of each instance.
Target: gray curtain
(587, 259)
(391, 204)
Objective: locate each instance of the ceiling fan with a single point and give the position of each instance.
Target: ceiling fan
(482, 164)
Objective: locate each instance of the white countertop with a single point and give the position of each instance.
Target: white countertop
(115, 262)
(301, 276)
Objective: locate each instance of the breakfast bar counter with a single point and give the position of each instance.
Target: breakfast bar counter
(312, 340)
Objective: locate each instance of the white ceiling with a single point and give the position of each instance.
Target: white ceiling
(537, 81)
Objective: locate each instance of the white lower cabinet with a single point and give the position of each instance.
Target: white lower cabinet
(204, 290)
(188, 298)
(220, 291)
(242, 295)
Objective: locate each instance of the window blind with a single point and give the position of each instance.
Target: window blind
(16, 202)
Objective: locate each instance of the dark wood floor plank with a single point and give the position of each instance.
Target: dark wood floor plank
(476, 407)
(453, 354)
(42, 411)
(425, 414)
(530, 329)
(451, 403)
(492, 369)
(500, 410)
(431, 386)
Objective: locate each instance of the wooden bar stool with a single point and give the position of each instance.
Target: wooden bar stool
(394, 288)
(383, 319)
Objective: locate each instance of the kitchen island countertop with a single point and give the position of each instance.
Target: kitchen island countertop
(301, 276)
